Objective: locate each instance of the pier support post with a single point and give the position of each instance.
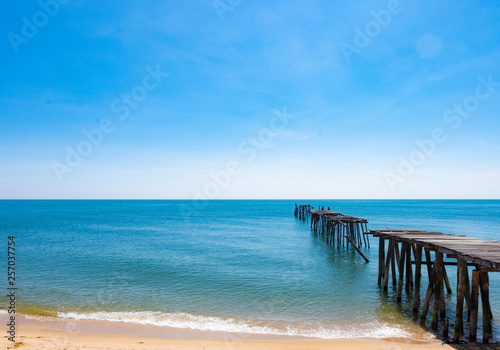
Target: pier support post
(430, 289)
(446, 329)
(446, 280)
(458, 330)
(428, 261)
(388, 263)
(401, 271)
(467, 293)
(474, 303)
(356, 248)
(381, 260)
(409, 269)
(394, 262)
(438, 267)
(418, 277)
(442, 306)
(484, 285)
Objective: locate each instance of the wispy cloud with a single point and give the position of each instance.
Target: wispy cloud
(225, 78)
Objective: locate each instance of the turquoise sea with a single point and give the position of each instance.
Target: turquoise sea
(234, 266)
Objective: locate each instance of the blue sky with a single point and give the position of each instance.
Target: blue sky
(353, 119)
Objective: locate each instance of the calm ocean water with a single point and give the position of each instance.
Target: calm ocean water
(236, 266)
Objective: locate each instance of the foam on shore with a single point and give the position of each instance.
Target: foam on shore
(241, 326)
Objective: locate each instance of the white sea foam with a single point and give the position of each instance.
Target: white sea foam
(309, 328)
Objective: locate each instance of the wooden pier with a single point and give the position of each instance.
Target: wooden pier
(402, 253)
(401, 250)
(302, 211)
(338, 229)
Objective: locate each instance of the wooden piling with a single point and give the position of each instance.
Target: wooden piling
(401, 271)
(428, 262)
(458, 329)
(397, 263)
(442, 301)
(409, 270)
(446, 280)
(418, 277)
(474, 303)
(467, 293)
(356, 248)
(446, 329)
(394, 262)
(381, 260)
(438, 267)
(484, 286)
(428, 294)
(389, 262)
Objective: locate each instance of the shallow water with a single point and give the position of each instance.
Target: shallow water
(237, 266)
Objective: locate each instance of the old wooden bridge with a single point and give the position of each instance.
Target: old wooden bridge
(337, 228)
(401, 256)
(404, 250)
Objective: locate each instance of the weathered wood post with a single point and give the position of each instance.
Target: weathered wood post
(446, 329)
(389, 261)
(438, 267)
(409, 270)
(356, 248)
(395, 264)
(474, 303)
(431, 271)
(401, 271)
(484, 286)
(458, 329)
(467, 293)
(446, 281)
(418, 277)
(381, 259)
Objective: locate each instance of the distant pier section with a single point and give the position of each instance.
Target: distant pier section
(338, 229)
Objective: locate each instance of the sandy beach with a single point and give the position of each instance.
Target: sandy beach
(41, 337)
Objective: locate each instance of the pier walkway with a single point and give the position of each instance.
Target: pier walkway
(400, 250)
(402, 253)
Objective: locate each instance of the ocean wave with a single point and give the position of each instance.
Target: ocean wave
(307, 328)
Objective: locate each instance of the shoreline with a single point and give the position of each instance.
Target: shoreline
(140, 330)
(50, 337)
(102, 326)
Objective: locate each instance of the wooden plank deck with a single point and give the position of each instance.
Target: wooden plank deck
(325, 212)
